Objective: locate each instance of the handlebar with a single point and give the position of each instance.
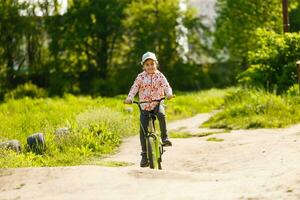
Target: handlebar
(141, 102)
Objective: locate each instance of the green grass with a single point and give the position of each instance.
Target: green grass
(189, 104)
(213, 139)
(189, 135)
(180, 135)
(97, 125)
(246, 109)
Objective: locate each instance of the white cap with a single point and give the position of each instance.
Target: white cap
(149, 55)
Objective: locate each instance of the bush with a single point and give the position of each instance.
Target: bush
(26, 90)
(248, 108)
(273, 62)
(293, 90)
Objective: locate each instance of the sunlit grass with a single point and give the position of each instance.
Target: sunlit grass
(214, 139)
(201, 134)
(97, 125)
(245, 109)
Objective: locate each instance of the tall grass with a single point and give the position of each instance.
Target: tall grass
(253, 108)
(97, 125)
(95, 128)
(189, 104)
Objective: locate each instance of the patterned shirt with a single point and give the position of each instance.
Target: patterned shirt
(150, 87)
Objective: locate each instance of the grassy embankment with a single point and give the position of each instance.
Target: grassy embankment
(253, 108)
(246, 108)
(97, 125)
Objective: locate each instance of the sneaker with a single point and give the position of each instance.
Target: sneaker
(166, 142)
(144, 161)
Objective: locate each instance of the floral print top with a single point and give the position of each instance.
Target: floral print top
(150, 87)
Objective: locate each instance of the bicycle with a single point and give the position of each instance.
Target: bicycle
(154, 144)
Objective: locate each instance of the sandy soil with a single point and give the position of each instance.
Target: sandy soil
(248, 164)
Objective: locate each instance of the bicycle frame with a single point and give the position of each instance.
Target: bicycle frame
(153, 140)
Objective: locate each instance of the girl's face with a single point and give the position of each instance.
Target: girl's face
(150, 66)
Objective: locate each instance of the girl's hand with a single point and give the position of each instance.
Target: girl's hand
(170, 96)
(128, 101)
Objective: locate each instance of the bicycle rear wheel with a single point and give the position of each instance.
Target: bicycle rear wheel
(159, 165)
(159, 160)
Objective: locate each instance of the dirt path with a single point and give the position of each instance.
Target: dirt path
(248, 164)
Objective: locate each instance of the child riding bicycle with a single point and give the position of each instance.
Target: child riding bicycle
(151, 85)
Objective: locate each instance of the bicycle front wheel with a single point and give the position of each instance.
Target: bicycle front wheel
(150, 152)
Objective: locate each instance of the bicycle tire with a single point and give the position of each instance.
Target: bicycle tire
(150, 154)
(159, 165)
(159, 160)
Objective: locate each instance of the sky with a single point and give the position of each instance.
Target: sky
(206, 9)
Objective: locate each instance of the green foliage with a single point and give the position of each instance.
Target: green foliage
(185, 77)
(180, 135)
(11, 32)
(201, 134)
(97, 138)
(149, 23)
(189, 104)
(294, 16)
(293, 91)
(273, 62)
(152, 26)
(95, 43)
(107, 116)
(97, 125)
(108, 87)
(238, 20)
(26, 90)
(213, 139)
(92, 133)
(236, 28)
(245, 108)
(83, 42)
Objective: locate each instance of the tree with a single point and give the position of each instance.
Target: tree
(272, 63)
(237, 22)
(294, 16)
(11, 32)
(86, 39)
(95, 47)
(157, 26)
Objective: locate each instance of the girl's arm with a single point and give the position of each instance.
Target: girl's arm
(167, 88)
(134, 89)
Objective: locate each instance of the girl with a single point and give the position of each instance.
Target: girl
(151, 84)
